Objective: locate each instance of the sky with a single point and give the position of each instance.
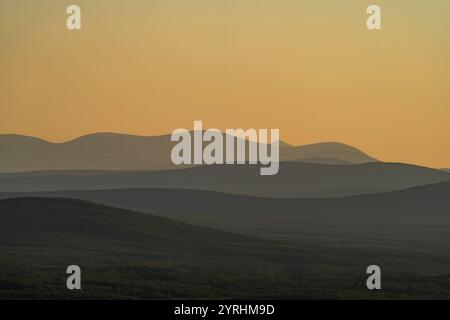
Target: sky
(309, 68)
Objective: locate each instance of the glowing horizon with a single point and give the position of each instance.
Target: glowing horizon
(310, 69)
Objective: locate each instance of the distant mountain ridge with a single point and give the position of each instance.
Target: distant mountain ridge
(114, 151)
(295, 179)
(324, 152)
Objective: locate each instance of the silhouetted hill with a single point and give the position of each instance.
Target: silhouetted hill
(423, 202)
(377, 216)
(420, 206)
(28, 219)
(324, 151)
(129, 254)
(113, 151)
(293, 180)
(100, 151)
(325, 161)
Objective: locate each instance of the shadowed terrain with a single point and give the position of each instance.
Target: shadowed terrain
(217, 231)
(365, 218)
(125, 254)
(293, 180)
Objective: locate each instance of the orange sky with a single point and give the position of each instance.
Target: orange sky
(309, 68)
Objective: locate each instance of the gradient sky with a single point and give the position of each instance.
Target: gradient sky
(310, 68)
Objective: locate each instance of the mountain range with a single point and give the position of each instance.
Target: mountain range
(140, 227)
(113, 151)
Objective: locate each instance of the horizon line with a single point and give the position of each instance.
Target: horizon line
(154, 136)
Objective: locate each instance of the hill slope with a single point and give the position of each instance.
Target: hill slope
(125, 254)
(128, 254)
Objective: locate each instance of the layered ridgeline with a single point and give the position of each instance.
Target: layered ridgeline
(294, 179)
(403, 211)
(112, 151)
(112, 161)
